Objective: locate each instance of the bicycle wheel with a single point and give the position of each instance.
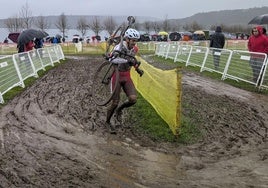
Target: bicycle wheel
(102, 90)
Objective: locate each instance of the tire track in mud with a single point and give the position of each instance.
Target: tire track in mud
(31, 118)
(53, 135)
(56, 125)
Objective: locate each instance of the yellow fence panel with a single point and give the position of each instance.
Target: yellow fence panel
(162, 89)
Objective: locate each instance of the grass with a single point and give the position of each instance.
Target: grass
(28, 82)
(148, 122)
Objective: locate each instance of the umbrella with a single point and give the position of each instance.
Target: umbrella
(58, 36)
(174, 36)
(262, 19)
(199, 32)
(42, 34)
(28, 35)
(13, 37)
(162, 33)
(186, 33)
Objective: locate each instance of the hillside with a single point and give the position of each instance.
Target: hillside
(206, 19)
(226, 17)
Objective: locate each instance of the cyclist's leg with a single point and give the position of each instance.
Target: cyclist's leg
(131, 93)
(114, 104)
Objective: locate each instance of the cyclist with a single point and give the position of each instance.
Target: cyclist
(129, 47)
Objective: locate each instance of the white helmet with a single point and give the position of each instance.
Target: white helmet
(132, 34)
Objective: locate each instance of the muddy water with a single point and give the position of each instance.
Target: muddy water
(52, 135)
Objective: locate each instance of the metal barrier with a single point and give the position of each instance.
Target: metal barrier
(198, 56)
(216, 60)
(264, 80)
(172, 51)
(239, 65)
(245, 66)
(16, 68)
(183, 53)
(9, 75)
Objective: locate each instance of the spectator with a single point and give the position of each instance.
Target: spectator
(39, 43)
(6, 41)
(257, 42)
(264, 31)
(55, 40)
(93, 38)
(20, 48)
(217, 41)
(25, 47)
(29, 46)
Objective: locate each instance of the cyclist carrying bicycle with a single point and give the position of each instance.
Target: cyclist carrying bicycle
(125, 82)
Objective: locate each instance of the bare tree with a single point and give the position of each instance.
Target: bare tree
(165, 25)
(95, 25)
(82, 26)
(147, 26)
(136, 25)
(156, 27)
(109, 25)
(175, 26)
(41, 23)
(186, 27)
(26, 16)
(195, 26)
(62, 24)
(14, 24)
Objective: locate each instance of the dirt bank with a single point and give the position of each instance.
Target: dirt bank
(52, 135)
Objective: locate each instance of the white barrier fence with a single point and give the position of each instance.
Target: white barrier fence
(233, 64)
(16, 68)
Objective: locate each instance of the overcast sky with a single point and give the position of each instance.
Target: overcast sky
(155, 8)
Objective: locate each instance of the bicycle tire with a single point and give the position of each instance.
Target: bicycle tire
(102, 91)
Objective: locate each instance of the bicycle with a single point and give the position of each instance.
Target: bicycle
(106, 78)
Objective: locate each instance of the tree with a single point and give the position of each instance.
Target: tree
(165, 25)
(82, 26)
(147, 26)
(175, 26)
(156, 27)
(186, 27)
(26, 16)
(14, 24)
(95, 25)
(195, 26)
(136, 25)
(42, 23)
(109, 25)
(62, 24)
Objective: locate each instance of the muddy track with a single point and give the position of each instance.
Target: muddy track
(52, 135)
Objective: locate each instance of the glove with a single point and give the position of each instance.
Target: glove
(140, 72)
(132, 62)
(137, 64)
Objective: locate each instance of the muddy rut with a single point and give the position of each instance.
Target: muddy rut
(52, 135)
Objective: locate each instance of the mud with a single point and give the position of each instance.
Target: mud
(52, 135)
